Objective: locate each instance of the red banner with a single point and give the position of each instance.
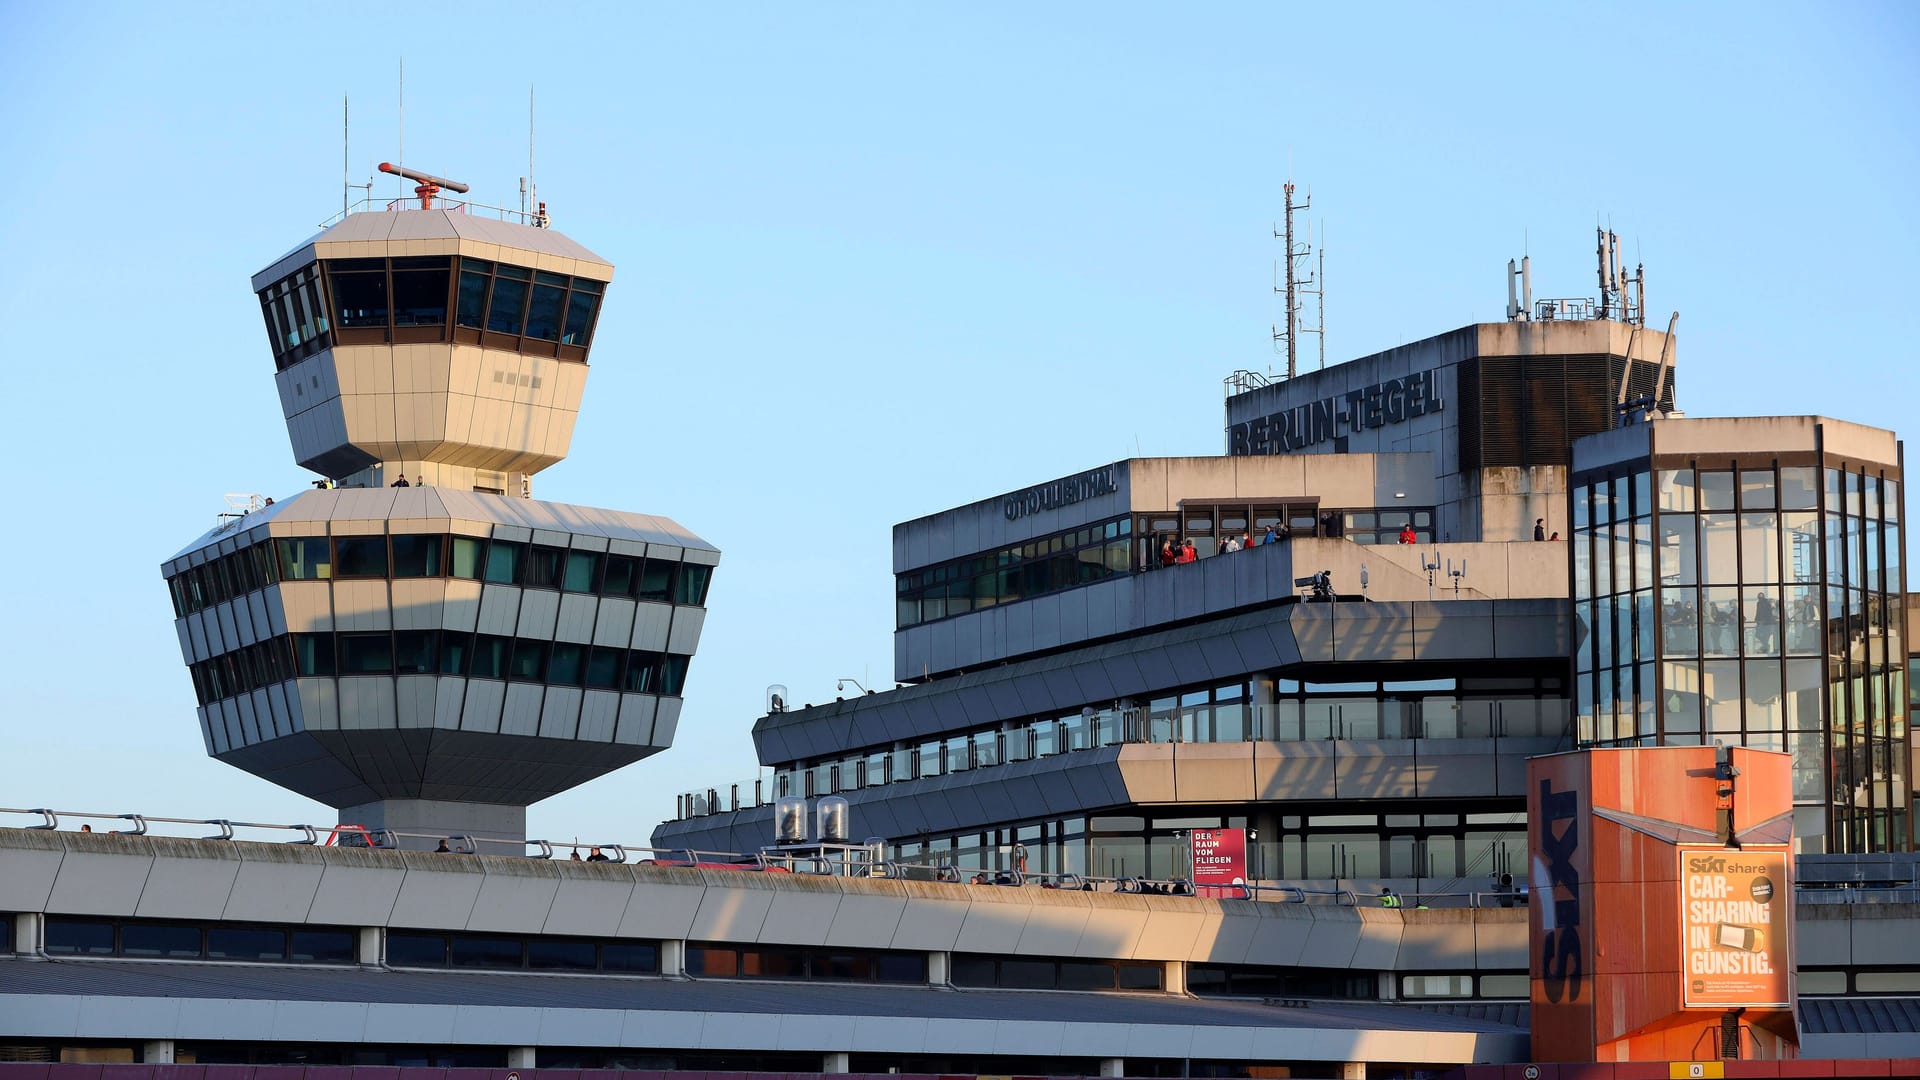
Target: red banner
(1219, 859)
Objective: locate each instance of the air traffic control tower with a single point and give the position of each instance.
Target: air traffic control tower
(417, 641)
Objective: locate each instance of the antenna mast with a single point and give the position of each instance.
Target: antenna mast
(346, 174)
(1623, 296)
(1295, 287)
(1319, 291)
(402, 103)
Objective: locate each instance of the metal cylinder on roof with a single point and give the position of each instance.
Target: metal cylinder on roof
(835, 820)
(790, 819)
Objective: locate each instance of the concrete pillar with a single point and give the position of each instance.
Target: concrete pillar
(1353, 1070)
(370, 949)
(939, 969)
(429, 819)
(1176, 977)
(836, 1061)
(28, 930)
(520, 1057)
(673, 958)
(157, 1052)
(1113, 1066)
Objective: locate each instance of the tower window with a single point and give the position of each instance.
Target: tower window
(359, 292)
(420, 291)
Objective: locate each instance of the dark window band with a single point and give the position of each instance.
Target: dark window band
(442, 652)
(430, 555)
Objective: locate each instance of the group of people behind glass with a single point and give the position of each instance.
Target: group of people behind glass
(1722, 626)
(1172, 554)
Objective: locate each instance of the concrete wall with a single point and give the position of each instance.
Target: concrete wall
(109, 875)
(156, 877)
(1759, 436)
(217, 881)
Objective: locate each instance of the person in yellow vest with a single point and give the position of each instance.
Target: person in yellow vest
(1388, 899)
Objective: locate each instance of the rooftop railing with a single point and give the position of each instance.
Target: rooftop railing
(866, 859)
(371, 205)
(1565, 309)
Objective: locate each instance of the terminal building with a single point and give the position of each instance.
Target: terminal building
(1410, 573)
(1407, 575)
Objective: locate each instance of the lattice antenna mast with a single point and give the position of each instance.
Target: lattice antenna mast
(1294, 286)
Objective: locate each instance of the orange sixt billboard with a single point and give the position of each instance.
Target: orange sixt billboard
(1662, 900)
(1733, 927)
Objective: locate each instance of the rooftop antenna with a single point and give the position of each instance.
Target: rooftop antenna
(1456, 573)
(347, 186)
(1319, 291)
(1520, 289)
(403, 120)
(1623, 295)
(1294, 282)
(533, 189)
(1639, 285)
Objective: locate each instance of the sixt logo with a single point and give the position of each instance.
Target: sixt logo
(1715, 864)
(1560, 948)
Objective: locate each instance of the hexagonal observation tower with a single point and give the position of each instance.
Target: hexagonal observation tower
(417, 641)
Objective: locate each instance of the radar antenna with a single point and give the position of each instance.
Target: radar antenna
(427, 185)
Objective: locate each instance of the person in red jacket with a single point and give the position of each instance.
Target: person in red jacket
(1407, 535)
(1187, 553)
(1168, 556)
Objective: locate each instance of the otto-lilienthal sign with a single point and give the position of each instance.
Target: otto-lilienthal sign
(1062, 492)
(1734, 946)
(1390, 402)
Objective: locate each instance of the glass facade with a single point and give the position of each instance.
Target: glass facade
(1131, 544)
(426, 555)
(1756, 602)
(407, 300)
(436, 652)
(1034, 568)
(1457, 845)
(1456, 840)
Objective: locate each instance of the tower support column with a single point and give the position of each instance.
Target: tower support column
(423, 821)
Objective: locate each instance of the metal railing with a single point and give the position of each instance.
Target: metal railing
(744, 795)
(1564, 309)
(866, 859)
(344, 835)
(1244, 380)
(1822, 893)
(375, 205)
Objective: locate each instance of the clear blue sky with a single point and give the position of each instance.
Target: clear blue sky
(873, 261)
